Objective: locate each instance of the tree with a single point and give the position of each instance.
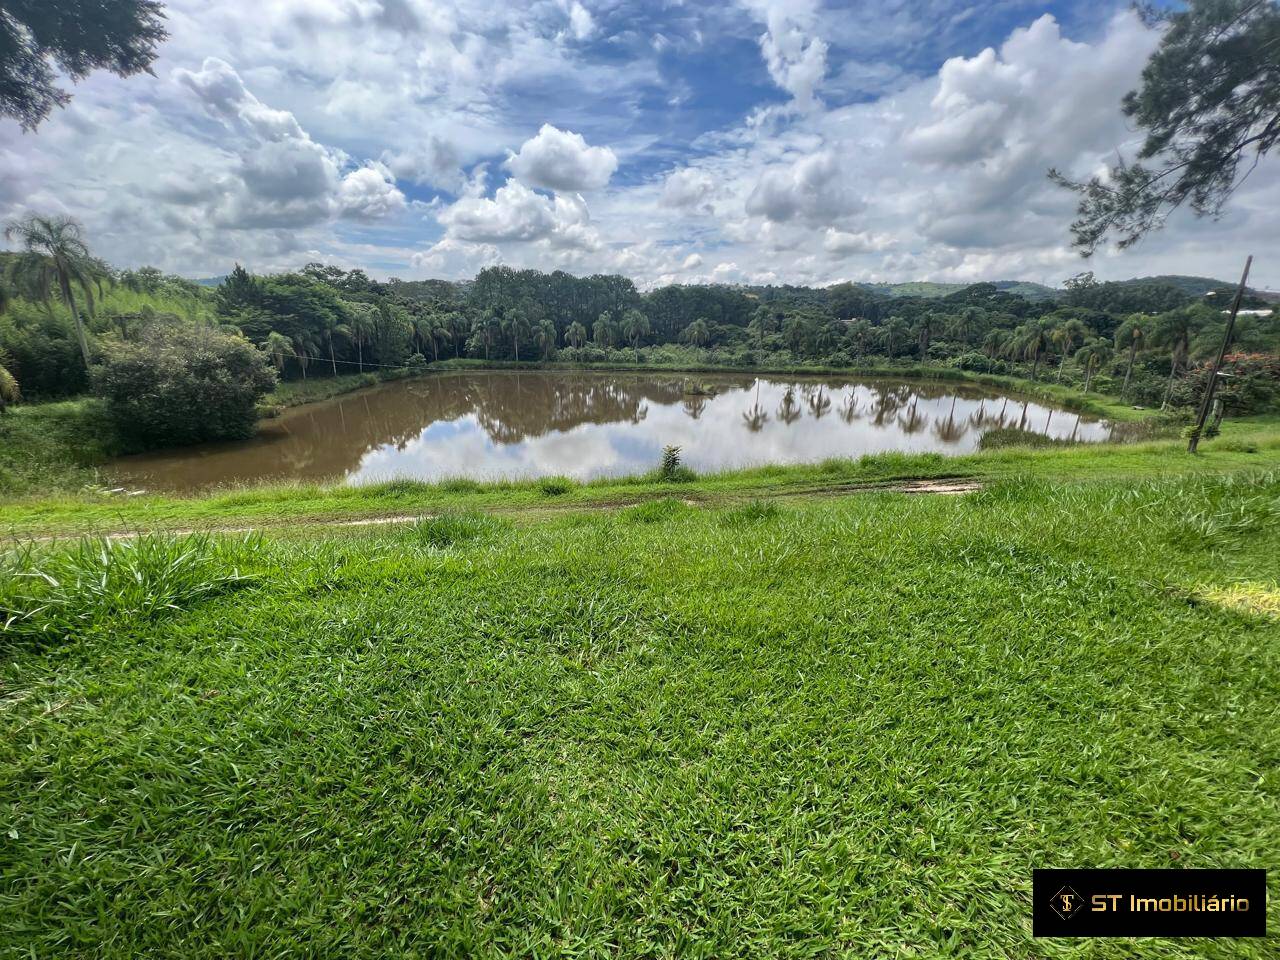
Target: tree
(859, 333)
(183, 384)
(696, 333)
(604, 330)
(438, 333)
(1174, 330)
(514, 323)
(635, 326)
(279, 348)
(545, 337)
(1131, 334)
(54, 252)
(9, 392)
(1064, 336)
(1092, 356)
(1031, 341)
(41, 38)
(575, 335)
(1209, 101)
(993, 344)
(925, 328)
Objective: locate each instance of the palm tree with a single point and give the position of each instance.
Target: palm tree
(1131, 334)
(1092, 356)
(54, 252)
(696, 333)
(925, 327)
(576, 335)
(9, 392)
(1031, 342)
(993, 343)
(438, 333)
(513, 324)
(545, 336)
(859, 333)
(762, 322)
(895, 332)
(1064, 337)
(796, 332)
(278, 348)
(1174, 330)
(635, 325)
(604, 330)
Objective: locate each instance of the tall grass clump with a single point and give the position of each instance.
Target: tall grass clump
(757, 511)
(67, 592)
(555, 486)
(455, 529)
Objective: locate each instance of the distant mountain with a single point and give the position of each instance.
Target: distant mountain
(928, 289)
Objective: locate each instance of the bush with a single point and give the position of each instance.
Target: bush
(975, 362)
(183, 384)
(1251, 384)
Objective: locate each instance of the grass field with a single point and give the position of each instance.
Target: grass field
(814, 727)
(779, 712)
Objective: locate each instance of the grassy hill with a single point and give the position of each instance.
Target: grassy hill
(929, 289)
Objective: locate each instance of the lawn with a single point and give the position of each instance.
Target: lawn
(794, 728)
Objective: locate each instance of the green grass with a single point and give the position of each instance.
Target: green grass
(1244, 445)
(786, 728)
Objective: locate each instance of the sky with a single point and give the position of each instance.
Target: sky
(739, 141)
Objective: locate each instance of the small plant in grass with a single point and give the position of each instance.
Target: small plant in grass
(757, 511)
(555, 486)
(67, 592)
(672, 470)
(455, 529)
(655, 511)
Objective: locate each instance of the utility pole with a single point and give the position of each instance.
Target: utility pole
(1207, 403)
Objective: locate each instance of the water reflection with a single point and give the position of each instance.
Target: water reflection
(491, 424)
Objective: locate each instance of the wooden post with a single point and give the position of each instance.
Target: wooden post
(1206, 404)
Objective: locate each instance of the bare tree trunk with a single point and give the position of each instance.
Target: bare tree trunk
(332, 361)
(1128, 372)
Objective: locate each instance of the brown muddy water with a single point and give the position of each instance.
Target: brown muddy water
(507, 424)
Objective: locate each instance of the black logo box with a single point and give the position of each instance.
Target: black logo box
(1084, 903)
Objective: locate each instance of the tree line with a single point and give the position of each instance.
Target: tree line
(64, 309)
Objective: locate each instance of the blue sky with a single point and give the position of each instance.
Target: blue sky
(752, 141)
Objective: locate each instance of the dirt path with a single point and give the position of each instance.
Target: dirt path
(941, 487)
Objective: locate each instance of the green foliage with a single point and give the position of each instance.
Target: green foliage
(39, 41)
(180, 385)
(63, 593)
(670, 462)
(1250, 385)
(1209, 101)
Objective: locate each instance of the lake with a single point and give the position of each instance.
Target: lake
(506, 424)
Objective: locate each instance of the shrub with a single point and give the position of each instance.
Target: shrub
(1251, 384)
(183, 384)
(670, 461)
(68, 592)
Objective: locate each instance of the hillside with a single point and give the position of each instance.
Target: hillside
(929, 289)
